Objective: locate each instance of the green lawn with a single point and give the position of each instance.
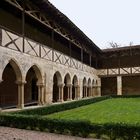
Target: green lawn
(125, 110)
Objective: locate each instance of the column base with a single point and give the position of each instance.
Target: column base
(60, 101)
(39, 103)
(21, 106)
(69, 99)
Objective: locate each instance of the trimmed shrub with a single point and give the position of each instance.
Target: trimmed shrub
(72, 127)
(79, 128)
(66, 106)
(61, 107)
(32, 119)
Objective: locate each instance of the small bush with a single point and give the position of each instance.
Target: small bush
(32, 119)
(73, 127)
(61, 107)
(79, 128)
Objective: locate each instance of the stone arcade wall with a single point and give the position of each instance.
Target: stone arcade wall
(36, 54)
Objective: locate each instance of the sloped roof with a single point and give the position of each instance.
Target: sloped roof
(125, 48)
(45, 6)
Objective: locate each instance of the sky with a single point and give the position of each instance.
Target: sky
(104, 21)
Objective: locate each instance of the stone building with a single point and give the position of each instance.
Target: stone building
(45, 58)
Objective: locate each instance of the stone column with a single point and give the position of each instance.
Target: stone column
(98, 89)
(69, 92)
(68, 88)
(93, 89)
(20, 93)
(61, 86)
(86, 91)
(83, 91)
(41, 96)
(76, 91)
(90, 89)
(119, 85)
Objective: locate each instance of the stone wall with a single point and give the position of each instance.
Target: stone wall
(47, 68)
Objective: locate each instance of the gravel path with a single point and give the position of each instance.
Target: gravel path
(7, 133)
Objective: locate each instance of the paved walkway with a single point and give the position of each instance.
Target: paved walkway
(7, 133)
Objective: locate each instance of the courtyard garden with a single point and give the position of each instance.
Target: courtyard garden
(119, 110)
(108, 117)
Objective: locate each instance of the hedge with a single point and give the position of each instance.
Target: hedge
(66, 106)
(61, 107)
(32, 119)
(72, 127)
(75, 127)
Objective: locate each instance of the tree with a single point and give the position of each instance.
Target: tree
(114, 44)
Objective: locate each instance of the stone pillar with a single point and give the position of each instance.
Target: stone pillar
(86, 91)
(20, 93)
(93, 91)
(41, 96)
(83, 91)
(98, 89)
(76, 91)
(69, 86)
(90, 89)
(60, 92)
(119, 85)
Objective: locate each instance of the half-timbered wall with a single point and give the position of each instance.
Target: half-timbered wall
(45, 62)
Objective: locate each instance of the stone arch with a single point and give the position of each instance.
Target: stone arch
(11, 76)
(57, 82)
(96, 82)
(84, 88)
(59, 77)
(75, 80)
(89, 82)
(67, 78)
(67, 82)
(84, 82)
(16, 68)
(34, 80)
(38, 73)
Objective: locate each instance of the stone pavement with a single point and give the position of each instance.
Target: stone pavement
(7, 133)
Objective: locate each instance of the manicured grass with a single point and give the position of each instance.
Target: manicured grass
(125, 110)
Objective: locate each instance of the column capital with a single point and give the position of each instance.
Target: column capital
(84, 85)
(96, 86)
(20, 82)
(69, 85)
(61, 85)
(40, 84)
(76, 86)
